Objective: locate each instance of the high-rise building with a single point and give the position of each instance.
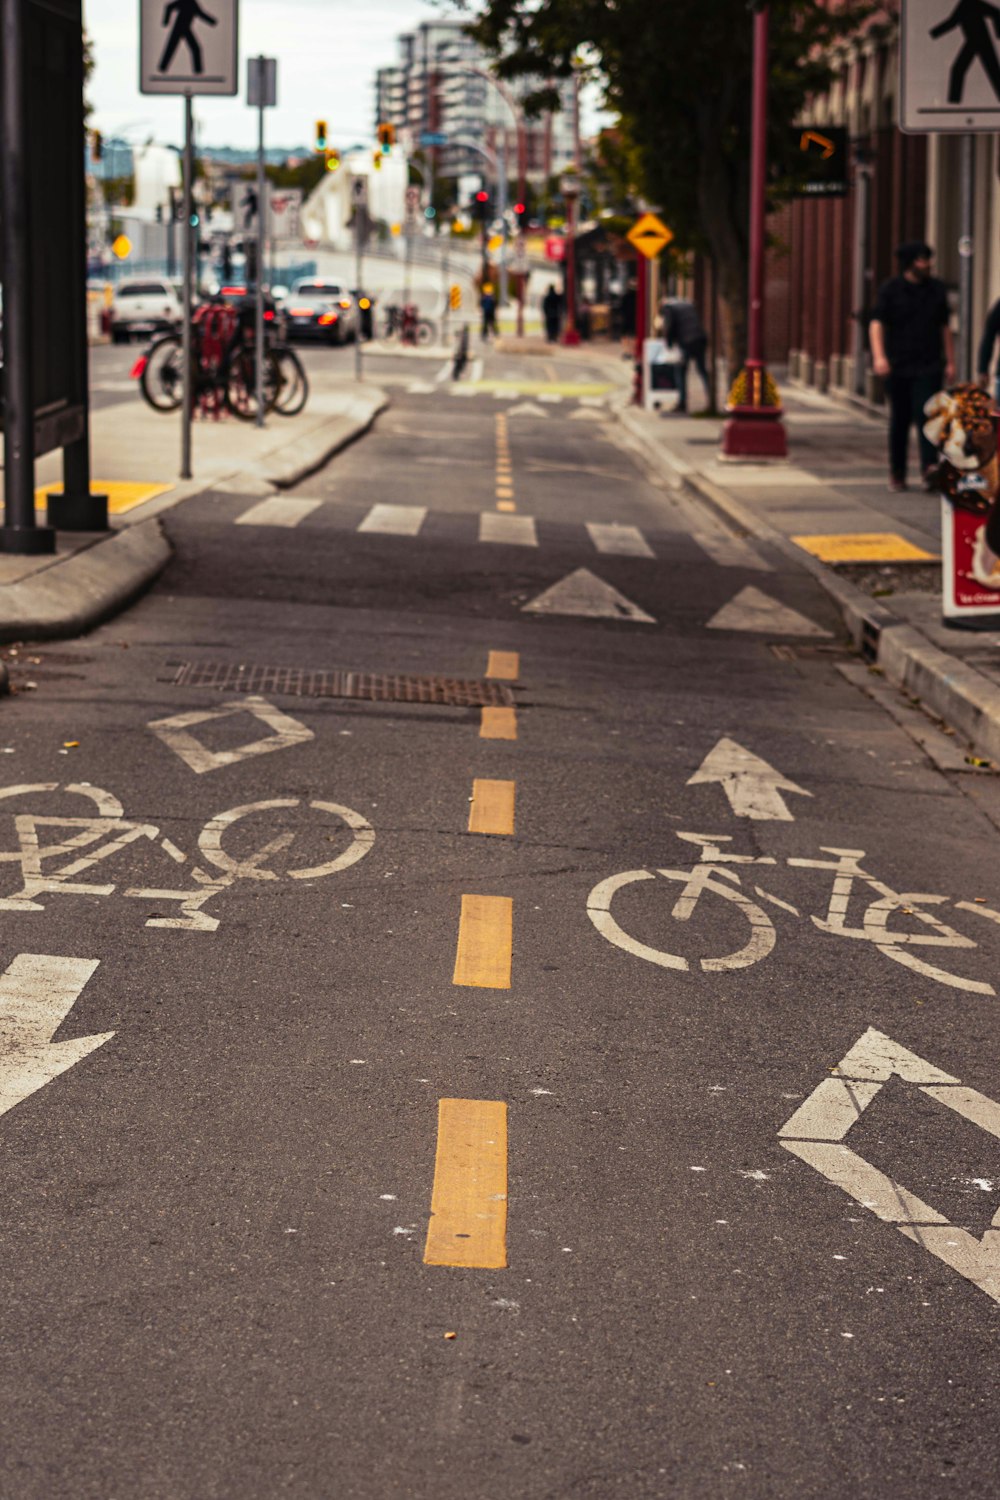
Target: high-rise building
(432, 89)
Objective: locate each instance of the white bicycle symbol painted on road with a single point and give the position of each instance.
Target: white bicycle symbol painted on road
(84, 842)
(714, 875)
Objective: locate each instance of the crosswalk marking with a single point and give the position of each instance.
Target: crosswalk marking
(277, 510)
(513, 531)
(394, 520)
(624, 541)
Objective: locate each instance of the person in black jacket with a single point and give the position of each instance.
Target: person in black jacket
(991, 332)
(912, 350)
(682, 326)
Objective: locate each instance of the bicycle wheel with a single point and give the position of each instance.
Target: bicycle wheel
(293, 387)
(241, 384)
(425, 332)
(162, 378)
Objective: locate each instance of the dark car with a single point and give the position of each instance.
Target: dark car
(321, 310)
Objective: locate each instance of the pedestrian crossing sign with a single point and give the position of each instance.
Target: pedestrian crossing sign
(949, 66)
(649, 235)
(188, 46)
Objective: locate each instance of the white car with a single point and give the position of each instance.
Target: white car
(143, 307)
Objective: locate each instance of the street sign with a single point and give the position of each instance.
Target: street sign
(262, 82)
(433, 138)
(649, 235)
(822, 151)
(284, 206)
(949, 69)
(187, 49)
(555, 248)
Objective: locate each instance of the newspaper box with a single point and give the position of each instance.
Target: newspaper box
(660, 375)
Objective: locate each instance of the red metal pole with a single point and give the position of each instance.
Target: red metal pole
(570, 335)
(641, 298)
(754, 428)
(522, 173)
(758, 188)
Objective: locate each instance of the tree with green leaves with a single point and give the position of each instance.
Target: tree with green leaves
(679, 76)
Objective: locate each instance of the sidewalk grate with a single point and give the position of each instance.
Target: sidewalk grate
(373, 687)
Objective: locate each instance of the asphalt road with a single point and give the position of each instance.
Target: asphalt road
(220, 1270)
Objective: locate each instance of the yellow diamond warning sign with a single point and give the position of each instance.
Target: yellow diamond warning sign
(649, 235)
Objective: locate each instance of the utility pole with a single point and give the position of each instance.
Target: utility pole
(187, 353)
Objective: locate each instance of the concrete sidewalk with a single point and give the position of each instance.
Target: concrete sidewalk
(136, 452)
(833, 489)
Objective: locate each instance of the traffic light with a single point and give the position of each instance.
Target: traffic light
(320, 135)
(332, 160)
(96, 145)
(377, 160)
(386, 137)
(481, 206)
(521, 215)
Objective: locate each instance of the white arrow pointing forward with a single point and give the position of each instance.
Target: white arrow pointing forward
(37, 993)
(752, 786)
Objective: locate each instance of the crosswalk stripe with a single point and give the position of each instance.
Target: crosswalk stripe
(624, 541)
(278, 510)
(394, 520)
(514, 531)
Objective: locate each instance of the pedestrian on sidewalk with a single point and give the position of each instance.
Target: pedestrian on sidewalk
(488, 308)
(912, 350)
(682, 329)
(991, 332)
(552, 313)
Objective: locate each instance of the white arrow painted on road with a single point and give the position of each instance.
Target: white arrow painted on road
(753, 610)
(753, 787)
(527, 409)
(583, 593)
(37, 993)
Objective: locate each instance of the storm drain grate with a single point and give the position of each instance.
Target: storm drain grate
(373, 687)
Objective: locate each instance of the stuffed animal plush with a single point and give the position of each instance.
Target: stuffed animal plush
(962, 424)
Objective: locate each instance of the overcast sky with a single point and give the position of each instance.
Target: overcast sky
(327, 51)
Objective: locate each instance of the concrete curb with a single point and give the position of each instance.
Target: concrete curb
(966, 700)
(300, 458)
(76, 593)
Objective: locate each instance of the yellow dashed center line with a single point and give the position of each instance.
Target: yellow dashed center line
(468, 1223)
(498, 724)
(503, 665)
(485, 942)
(492, 807)
(507, 505)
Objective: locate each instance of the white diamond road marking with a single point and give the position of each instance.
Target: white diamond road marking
(753, 610)
(514, 531)
(279, 510)
(176, 733)
(394, 520)
(816, 1131)
(623, 541)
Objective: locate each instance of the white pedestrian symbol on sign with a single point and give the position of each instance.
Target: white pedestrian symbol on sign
(186, 13)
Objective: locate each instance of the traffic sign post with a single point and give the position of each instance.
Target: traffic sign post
(359, 200)
(949, 81)
(649, 235)
(262, 93)
(824, 157)
(185, 48)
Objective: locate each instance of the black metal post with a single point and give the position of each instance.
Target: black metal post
(76, 509)
(20, 533)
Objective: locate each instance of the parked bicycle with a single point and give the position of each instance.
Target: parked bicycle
(224, 374)
(404, 325)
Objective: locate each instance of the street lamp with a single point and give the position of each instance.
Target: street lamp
(570, 189)
(754, 428)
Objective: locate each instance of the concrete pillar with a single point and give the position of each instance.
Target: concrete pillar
(821, 375)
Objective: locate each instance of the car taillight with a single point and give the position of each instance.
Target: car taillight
(345, 302)
(138, 367)
(327, 318)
